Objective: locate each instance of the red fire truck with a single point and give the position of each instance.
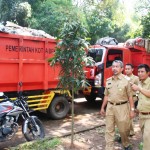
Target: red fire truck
(134, 51)
(23, 59)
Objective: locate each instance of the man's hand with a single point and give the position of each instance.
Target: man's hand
(132, 114)
(145, 92)
(102, 112)
(135, 87)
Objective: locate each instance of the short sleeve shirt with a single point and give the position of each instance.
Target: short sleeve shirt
(118, 90)
(134, 79)
(144, 102)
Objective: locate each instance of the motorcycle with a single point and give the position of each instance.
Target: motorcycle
(10, 111)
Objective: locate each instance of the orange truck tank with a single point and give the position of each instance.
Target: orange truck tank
(23, 59)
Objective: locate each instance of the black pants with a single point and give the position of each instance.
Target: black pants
(135, 104)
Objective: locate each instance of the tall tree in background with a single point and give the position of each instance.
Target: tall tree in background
(143, 10)
(51, 15)
(21, 13)
(98, 26)
(17, 11)
(146, 26)
(102, 18)
(98, 16)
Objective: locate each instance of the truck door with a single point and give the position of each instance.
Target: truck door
(111, 55)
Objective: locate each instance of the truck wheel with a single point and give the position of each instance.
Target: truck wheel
(90, 98)
(58, 108)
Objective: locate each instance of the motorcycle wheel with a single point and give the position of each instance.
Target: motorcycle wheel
(29, 131)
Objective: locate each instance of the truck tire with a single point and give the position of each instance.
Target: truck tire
(90, 98)
(58, 108)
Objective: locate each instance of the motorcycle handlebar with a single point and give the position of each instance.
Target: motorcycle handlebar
(22, 97)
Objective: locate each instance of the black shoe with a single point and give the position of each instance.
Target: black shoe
(128, 148)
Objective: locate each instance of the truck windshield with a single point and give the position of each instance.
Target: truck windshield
(96, 54)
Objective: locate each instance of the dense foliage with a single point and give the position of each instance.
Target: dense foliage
(101, 18)
(146, 26)
(71, 55)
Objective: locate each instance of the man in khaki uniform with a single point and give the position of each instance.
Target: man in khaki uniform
(144, 103)
(134, 79)
(117, 93)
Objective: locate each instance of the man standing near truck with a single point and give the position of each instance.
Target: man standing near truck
(144, 103)
(117, 93)
(134, 79)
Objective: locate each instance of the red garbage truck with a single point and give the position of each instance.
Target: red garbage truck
(134, 51)
(23, 59)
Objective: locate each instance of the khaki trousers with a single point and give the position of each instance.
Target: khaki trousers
(117, 115)
(131, 127)
(145, 128)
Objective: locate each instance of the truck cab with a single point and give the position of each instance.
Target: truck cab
(103, 56)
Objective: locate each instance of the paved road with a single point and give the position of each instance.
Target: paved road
(86, 116)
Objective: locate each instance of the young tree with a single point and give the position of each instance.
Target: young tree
(71, 56)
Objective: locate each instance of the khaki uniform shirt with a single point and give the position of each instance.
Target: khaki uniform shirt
(118, 90)
(144, 102)
(134, 79)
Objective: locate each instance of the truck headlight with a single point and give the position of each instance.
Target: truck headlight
(98, 79)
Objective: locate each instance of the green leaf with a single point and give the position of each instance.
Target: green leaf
(72, 57)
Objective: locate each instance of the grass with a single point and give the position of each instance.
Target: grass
(39, 145)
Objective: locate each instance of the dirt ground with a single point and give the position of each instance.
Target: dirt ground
(94, 140)
(89, 126)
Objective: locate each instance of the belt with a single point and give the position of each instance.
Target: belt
(118, 103)
(145, 113)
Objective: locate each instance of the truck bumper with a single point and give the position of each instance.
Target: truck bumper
(96, 91)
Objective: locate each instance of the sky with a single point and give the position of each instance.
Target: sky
(129, 8)
(129, 4)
